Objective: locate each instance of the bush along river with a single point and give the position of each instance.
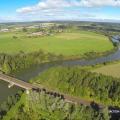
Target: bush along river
(32, 72)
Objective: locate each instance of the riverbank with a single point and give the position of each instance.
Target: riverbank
(28, 74)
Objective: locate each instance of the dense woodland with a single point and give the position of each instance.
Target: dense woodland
(40, 106)
(11, 63)
(82, 83)
(9, 103)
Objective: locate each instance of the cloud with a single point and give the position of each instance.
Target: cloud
(60, 4)
(45, 5)
(10, 18)
(66, 10)
(99, 3)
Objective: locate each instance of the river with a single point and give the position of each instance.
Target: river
(30, 73)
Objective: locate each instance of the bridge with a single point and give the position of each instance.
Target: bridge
(27, 86)
(13, 81)
(70, 99)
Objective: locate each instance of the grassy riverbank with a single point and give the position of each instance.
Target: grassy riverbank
(112, 69)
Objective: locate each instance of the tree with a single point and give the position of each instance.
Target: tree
(24, 29)
(106, 114)
(6, 68)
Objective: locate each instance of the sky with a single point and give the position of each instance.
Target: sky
(48, 10)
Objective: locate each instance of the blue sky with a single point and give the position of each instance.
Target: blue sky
(32, 10)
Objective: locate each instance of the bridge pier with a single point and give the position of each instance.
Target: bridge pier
(27, 91)
(10, 85)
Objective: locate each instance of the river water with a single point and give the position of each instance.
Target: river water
(28, 74)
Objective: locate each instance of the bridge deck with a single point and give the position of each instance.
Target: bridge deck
(16, 82)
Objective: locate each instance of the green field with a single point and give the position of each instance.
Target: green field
(110, 70)
(74, 43)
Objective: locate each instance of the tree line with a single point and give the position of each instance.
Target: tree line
(9, 103)
(46, 107)
(11, 63)
(82, 83)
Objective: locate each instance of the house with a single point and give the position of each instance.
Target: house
(4, 30)
(36, 34)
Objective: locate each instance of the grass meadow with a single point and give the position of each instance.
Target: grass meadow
(110, 70)
(67, 44)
